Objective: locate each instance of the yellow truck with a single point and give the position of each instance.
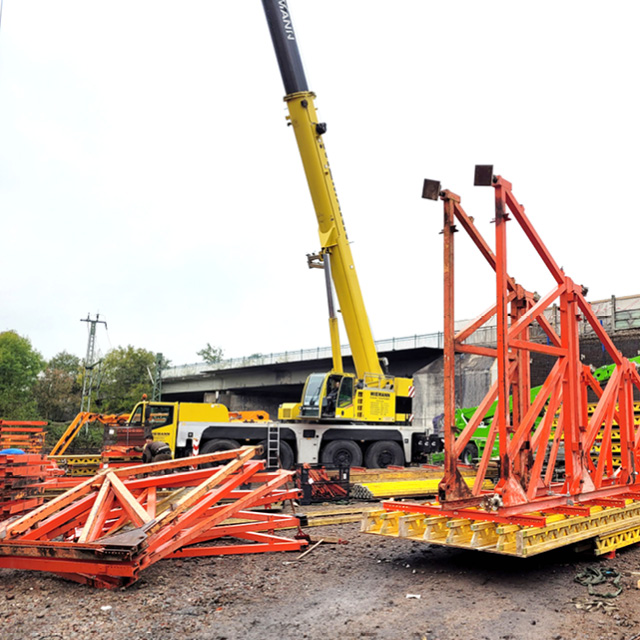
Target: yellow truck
(193, 428)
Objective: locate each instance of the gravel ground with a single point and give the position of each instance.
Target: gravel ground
(356, 590)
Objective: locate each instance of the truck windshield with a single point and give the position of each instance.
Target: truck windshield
(136, 418)
(312, 392)
(159, 415)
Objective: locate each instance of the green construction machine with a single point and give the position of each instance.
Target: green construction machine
(475, 449)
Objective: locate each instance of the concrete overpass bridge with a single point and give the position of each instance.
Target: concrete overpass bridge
(264, 381)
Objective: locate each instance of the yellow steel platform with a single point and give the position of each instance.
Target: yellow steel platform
(404, 488)
(81, 460)
(607, 528)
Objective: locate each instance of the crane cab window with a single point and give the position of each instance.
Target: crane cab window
(332, 395)
(312, 392)
(345, 395)
(154, 416)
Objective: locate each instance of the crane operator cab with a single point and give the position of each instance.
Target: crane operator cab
(328, 396)
(344, 397)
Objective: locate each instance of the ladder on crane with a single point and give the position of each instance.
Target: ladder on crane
(272, 453)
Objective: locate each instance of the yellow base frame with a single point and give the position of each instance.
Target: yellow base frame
(608, 528)
(78, 459)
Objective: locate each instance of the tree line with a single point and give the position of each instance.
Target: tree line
(32, 388)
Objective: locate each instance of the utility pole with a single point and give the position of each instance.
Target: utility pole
(89, 364)
(157, 378)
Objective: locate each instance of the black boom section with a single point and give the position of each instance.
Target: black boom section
(285, 45)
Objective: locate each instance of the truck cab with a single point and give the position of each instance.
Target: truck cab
(164, 420)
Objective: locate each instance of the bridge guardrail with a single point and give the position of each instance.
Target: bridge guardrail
(616, 314)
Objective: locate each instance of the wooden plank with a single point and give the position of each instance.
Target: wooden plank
(98, 527)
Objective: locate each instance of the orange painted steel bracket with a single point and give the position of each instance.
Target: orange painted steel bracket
(530, 440)
(105, 530)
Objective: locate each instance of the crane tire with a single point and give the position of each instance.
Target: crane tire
(285, 454)
(384, 453)
(342, 453)
(213, 446)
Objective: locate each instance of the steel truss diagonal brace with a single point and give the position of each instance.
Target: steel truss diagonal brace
(529, 440)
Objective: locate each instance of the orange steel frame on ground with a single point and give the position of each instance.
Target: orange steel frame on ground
(528, 446)
(107, 529)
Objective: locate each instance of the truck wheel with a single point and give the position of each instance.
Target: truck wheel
(215, 445)
(469, 454)
(285, 453)
(342, 453)
(383, 453)
(287, 458)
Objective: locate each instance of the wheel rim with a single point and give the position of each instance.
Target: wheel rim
(343, 458)
(385, 458)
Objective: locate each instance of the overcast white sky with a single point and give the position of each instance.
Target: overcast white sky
(146, 171)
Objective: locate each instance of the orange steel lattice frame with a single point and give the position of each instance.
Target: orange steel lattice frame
(107, 529)
(528, 445)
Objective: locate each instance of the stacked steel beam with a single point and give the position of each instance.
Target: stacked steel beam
(414, 488)
(322, 484)
(108, 528)
(20, 434)
(21, 483)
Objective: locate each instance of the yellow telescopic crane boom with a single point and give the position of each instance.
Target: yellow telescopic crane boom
(333, 235)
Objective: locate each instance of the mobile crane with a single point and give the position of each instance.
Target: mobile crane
(370, 398)
(369, 395)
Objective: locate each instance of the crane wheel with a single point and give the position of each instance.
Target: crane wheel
(285, 454)
(342, 453)
(215, 445)
(384, 453)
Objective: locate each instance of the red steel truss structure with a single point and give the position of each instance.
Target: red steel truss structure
(532, 432)
(107, 529)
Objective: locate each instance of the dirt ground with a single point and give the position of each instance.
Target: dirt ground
(364, 589)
